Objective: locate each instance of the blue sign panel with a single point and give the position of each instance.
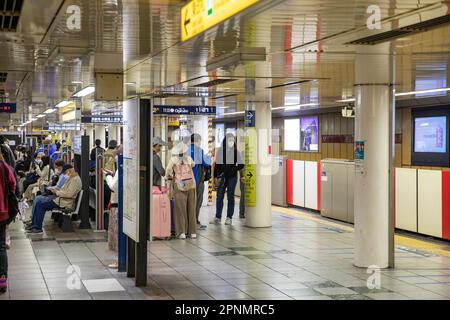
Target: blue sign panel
(8, 107)
(250, 118)
(184, 110)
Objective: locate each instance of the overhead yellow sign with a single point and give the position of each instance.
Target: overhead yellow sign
(200, 15)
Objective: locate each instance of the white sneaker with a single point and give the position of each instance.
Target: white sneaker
(193, 236)
(182, 236)
(228, 222)
(215, 221)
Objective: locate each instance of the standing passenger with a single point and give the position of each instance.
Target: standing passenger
(228, 163)
(7, 184)
(202, 163)
(180, 171)
(158, 168)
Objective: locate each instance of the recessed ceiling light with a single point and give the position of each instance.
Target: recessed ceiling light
(63, 104)
(85, 92)
(48, 111)
(40, 116)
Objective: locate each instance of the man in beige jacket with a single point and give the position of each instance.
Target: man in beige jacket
(62, 199)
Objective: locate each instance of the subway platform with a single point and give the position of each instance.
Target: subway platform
(302, 257)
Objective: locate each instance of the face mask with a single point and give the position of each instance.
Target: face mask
(58, 171)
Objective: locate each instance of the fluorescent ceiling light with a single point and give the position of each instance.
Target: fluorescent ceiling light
(85, 92)
(77, 82)
(347, 100)
(299, 106)
(63, 104)
(410, 93)
(33, 119)
(223, 108)
(40, 116)
(48, 111)
(233, 113)
(421, 92)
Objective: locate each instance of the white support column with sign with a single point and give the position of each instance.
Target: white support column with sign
(374, 143)
(258, 166)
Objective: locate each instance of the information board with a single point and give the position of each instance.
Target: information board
(131, 169)
(200, 15)
(184, 110)
(251, 141)
(8, 107)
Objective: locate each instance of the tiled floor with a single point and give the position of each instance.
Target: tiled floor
(298, 258)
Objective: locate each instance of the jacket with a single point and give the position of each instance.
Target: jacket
(65, 198)
(113, 184)
(228, 162)
(201, 160)
(109, 160)
(158, 170)
(7, 176)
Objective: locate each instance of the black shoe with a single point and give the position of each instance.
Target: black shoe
(35, 231)
(29, 227)
(242, 216)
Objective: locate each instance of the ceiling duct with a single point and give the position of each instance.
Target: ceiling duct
(213, 83)
(236, 57)
(10, 14)
(289, 84)
(400, 32)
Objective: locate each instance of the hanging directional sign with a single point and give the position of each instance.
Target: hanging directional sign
(8, 107)
(200, 15)
(250, 118)
(184, 110)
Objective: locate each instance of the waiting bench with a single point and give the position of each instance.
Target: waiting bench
(64, 216)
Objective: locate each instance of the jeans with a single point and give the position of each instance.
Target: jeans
(229, 187)
(37, 202)
(242, 199)
(3, 254)
(44, 205)
(199, 203)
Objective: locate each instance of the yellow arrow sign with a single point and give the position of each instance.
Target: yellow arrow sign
(200, 15)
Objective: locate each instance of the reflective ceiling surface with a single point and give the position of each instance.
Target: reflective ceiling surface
(305, 41)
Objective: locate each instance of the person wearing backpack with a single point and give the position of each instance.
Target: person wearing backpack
(7, 188)
(179, 170)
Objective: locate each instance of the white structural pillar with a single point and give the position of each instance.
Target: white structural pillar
(374, 133)
(259, 211)
(90, 133)
(112, 132)
(100, 134)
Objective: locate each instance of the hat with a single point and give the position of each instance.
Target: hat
(179, 148)
(66, 167)
(159, 141)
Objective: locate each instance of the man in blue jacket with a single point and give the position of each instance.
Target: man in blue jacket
(202, 163)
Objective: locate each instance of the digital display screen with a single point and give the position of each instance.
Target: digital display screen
(309, 133)
(430, 134)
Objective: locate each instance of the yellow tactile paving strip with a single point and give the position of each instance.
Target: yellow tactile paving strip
(434, 248)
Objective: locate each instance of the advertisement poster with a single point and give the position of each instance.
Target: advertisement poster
(309, 127)
(430, 135)
(250, 167)
(359, 156)
(131, 168)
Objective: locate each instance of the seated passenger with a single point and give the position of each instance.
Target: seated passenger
(45, 174)
(63, 199)
(57, 183)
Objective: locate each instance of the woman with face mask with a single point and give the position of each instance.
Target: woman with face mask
(228, 164)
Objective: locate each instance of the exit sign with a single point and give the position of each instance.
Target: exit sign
(8, 108)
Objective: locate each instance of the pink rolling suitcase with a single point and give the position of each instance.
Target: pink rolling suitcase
(161, 213)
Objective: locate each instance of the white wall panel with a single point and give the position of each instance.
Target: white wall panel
(406, 199)
(299, 183)
(311, 182)
(430, 202)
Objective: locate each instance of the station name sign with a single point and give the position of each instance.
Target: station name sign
(8, 107)
(200, 15)
(102, 119)
(184, 110)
